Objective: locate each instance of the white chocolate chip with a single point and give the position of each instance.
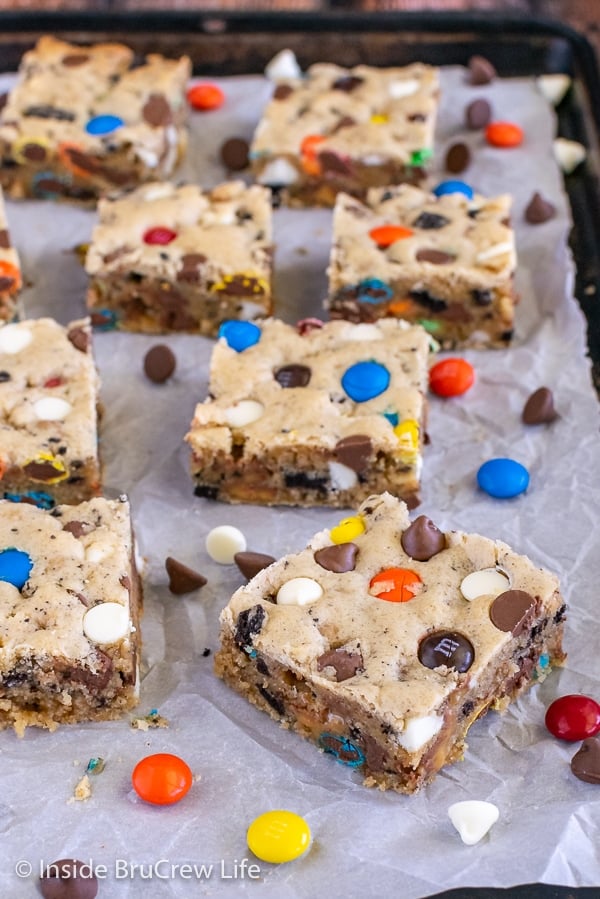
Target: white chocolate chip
(243, 413)
(278, 172)
(419, 731)
(14, 338)
(299, 591)
(554, 86)
(342, 477)
(486, 582)
(473, 818)
(372, 159)
(568, 153)
(283, 65)
(51, 408)
(106, 623)
(362, 331)
(98, 551)
(223, 542)
(498, 249)
(158, 190)
(403, 88)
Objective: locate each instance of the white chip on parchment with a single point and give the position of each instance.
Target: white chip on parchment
(568, 153)
(283, 65)
(554, 86)
(473, 818)
(223, 542)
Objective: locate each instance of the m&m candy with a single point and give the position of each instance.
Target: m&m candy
(365, 380)
(573, 717)
(503, 478)
(161, 779)
(504, 134)
(15, 566)
(159, 235)
(453, 187)
(239, 335)
(204, 97)
(278, 836)
(451, 377)
(395, 584)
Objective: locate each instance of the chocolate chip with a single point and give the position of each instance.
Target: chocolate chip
(190, 263)
(539, 210)
(354, 451)
(478, 114)
(347, 83)
(45, 111)
(282, 92)
(436, 257)
(159, 363)
(539, 408)
(251, 563)
(585, 764)
(346, 121)
(68, 878)
(156, 111)
(41, 471)
(3, 100)
(424, 298)
(422, 539)
(481, 70)
(274, 701)
(345, 663)
(79, 338)
(446, 648)
(430, 221)
(510, 610)
(249, 623)
(332, 162)
(50, 186)
(181, 578)
(77, 528)
(339, 558)
(293, 375)
(4, 376)
(4, 239)
(34, 152)
(417, 117)
(458, 157)
(234, 153)
(71, 60)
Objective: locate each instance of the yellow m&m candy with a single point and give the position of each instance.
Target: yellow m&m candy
(278, 836)
(347, 529)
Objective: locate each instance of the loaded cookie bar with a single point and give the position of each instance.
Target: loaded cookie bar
(446, 261)
(166, 258)
(346, 129)
(48, 413)
(10, 269)
(386, 639)
(83, 121)
(320, 414)
(70, 597)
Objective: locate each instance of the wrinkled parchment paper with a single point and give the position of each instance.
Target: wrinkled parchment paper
(364, 842)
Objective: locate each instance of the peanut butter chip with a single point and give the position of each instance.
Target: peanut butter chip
(181, 578)
(509, 610)
(251, 563)
(339, 558)
(585, 764)
(345, 663)
(539, 210)
(539, 408)
(354, 451)
(157, 111)
(422, 539)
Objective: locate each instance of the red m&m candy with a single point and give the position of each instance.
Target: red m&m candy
(161, 779)
(451, 377)
(573, 717)
(159, 235)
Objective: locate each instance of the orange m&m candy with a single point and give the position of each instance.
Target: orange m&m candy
(385, 235)
(395, 585)
(451, 377)
(504, 134)
(204, 97)
(161, 779)
(10, 276)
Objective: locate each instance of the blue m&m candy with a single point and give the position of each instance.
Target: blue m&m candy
(365, 380)
(453, 187)
(103, 124)
(239, 335)
(15, 566)
(503, 478)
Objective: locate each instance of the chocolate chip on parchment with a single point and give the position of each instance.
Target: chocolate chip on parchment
(481, 70)
(159, 363)
(156, 111)
(509, 611)
(539, 408)
(539, 210)
(422, 539)
(354, 451)
(585, 764)
(234, 153)
(478, 114)
(446, 648)
(181, 578)
(251, 563)
(346, 664)
(338, 558)
(293, 375)
(68, 878)
(458, 157)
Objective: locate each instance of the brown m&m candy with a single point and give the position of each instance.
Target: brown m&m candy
(159, 363)
(446, 648)
(458, 157)
(68, 878)
(234, 154)
(478, 114)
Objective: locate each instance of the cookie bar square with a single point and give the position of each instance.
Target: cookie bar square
(347, 130)
(166, 258)
(447, 262)
(48, 413)
(320, 414)
(83, 121)
(10, 269)
(385, 640)
(71, 598)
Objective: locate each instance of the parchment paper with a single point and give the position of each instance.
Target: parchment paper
(365, 842)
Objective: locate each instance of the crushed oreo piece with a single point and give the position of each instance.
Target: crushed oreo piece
(45, 111)
(249, 623)
(430, 221)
